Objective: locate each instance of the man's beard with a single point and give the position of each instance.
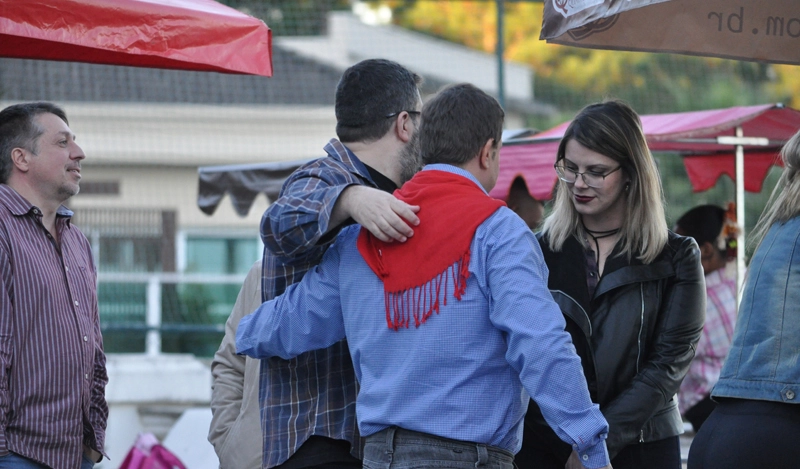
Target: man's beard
(410, 160)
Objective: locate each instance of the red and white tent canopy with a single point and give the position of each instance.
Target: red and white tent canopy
(694, 135)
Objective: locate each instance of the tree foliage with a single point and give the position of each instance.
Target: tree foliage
(571, 77)
(291, 17)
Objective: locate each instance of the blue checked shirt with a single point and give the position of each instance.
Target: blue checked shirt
(467, 372)
(315, 392)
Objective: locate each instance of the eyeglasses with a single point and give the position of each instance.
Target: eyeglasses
(413, 113)
(591, 178)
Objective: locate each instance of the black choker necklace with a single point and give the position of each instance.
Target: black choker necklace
(595, 235)
(601, 234)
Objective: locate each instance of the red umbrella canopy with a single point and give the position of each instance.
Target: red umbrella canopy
(692, 134)
(200, 35)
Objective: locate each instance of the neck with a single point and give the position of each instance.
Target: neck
(382, 155)
(603, 222)
(483, 176)
(47, 206)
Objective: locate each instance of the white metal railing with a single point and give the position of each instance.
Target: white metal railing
(154, 282)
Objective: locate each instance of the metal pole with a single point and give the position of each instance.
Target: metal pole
(153, 318)
(740, 247)
(501, 91)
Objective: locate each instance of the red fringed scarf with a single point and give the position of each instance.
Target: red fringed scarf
(413, 273)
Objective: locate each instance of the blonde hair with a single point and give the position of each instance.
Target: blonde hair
(614, 130)
(784, 202)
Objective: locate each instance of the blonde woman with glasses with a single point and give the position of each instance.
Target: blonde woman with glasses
(631, 291)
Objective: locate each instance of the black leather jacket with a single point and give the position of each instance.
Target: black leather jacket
(636, 336)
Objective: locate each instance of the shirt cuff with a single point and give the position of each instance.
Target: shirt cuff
(92, 455)
(594, 457)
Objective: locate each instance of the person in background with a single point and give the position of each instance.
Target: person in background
(52, 366)
(235, 430)
(715, 232)
(449, 330)
(307, 404)
(524, 204)
(631, 291)
(757, 418)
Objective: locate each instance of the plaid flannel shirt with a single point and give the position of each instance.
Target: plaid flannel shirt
(315, 393)
(715, 342)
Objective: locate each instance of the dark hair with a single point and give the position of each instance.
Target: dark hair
(703, 223)
(367, 93)
(457, 122)
(518, 187)
(611, 128)
(18, 130)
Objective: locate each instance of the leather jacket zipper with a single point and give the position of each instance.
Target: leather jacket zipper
(641, 328)
(639, 344)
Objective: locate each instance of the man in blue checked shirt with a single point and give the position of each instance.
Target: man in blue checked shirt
(307, 403)
(451, 331)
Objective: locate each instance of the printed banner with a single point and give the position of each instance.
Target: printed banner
(735, 29)
(563, 15)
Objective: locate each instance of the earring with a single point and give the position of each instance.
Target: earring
(627, 186)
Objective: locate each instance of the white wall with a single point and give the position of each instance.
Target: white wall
(165, 188)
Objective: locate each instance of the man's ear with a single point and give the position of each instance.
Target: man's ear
(21, 159)
(486, 153)
(404, 127)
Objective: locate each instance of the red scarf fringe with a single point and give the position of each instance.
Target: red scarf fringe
(425, 300)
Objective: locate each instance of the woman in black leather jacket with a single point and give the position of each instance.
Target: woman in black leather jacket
(632, 292)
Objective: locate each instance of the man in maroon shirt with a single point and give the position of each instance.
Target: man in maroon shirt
(53, 410)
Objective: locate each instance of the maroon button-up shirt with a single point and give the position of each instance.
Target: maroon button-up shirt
(52, 365)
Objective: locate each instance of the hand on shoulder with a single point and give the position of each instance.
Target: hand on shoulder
(386, 217)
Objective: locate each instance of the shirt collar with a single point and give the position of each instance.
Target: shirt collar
(339, 151)
(455, 170)
(19, 206)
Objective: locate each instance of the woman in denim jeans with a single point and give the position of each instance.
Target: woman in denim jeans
(757, 420)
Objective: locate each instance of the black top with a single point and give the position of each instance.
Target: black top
(383, 183)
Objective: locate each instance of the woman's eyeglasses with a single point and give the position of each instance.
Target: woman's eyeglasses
(592, 179)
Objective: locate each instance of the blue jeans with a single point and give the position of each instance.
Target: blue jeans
(15, 461)
(395, 448)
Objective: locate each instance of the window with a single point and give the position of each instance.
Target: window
(221, 255)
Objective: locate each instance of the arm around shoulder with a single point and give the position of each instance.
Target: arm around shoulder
(301, 217)
(385, 216)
